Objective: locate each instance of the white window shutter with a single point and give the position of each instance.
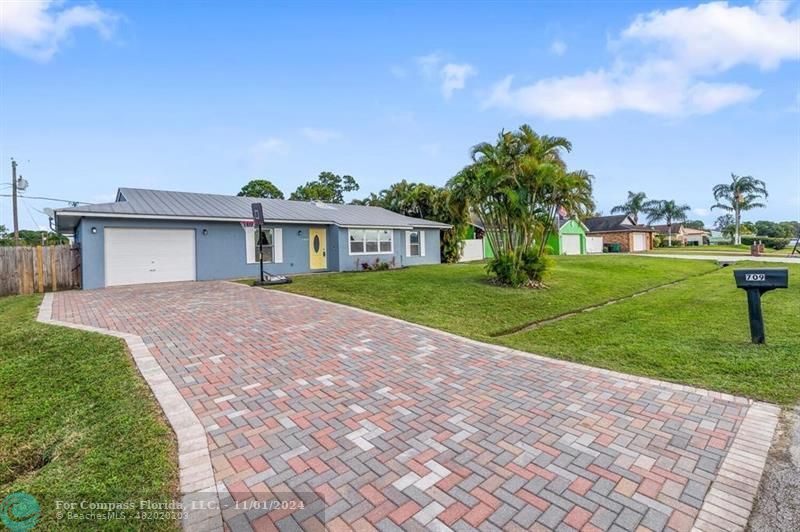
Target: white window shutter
(422, 242)
(278, 244)
(408, 243)
(249, 244)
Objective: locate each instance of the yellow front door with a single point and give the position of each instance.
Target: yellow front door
(316, 249)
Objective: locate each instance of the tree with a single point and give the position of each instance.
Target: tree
(668, 211)
(260, 188)
(774, 229)
(694, 224)
(741, 194)
(419, 200)
(633, 206)
(328, 187)
(516, 186)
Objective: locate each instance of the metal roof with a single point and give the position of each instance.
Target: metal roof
(163, 204)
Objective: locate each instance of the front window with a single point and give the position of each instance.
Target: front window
(267, 247)
(370, 241)
(413, 238)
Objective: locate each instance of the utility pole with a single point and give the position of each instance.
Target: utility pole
(14, 200)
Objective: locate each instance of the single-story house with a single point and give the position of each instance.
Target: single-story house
(683, 235)
(570, 239)
(716, 237)
(622, 230)
(149, 236)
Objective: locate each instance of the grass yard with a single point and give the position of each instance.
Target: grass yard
(77, 422)
(458, 298)
(694, 332)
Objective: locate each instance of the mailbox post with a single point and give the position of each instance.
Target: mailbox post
(757, 281)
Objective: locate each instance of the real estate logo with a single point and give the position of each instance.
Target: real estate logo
(20, 511)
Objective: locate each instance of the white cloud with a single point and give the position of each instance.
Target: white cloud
(666, 76)
(429, 64)
(454, 77)
(262, 149)
(37, 28)
(558, 47)
(701, 212)
(320, 136)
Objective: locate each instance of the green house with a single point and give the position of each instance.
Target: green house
(570, 239)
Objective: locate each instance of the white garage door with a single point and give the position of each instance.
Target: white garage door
(134, 256)
(571, 244)
(639, 242)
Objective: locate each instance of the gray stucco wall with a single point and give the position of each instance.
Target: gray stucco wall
(349, 262)
(221, 254)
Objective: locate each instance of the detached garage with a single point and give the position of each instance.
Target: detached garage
(570, 238)
(136, 256)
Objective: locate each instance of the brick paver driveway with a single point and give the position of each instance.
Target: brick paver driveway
(399, 426)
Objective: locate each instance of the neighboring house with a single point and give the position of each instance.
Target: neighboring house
(570, 239)
(148, 236)
(622, 230)
(683, 235)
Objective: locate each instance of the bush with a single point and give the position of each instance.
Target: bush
(376, 266)
(512, 270)
(774, 243)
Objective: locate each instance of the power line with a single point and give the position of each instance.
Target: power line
(47, 199)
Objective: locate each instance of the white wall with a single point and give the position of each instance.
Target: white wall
(473, 250)
(594, 244)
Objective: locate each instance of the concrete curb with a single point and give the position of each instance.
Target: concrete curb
(199, 492)
(729, 501)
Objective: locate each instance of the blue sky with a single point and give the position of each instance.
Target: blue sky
(662, 97)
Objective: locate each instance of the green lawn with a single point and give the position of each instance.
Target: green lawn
(694, 332)
(458, 298)
(77, 422)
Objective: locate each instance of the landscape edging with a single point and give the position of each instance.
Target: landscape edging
(200, 498)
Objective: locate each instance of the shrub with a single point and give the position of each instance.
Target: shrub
(774, 243)
(513, 270)
(376, 266)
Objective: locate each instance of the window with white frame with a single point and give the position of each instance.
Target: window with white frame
(267, 247)
(370, 241)
(413, 244)
(271, 244)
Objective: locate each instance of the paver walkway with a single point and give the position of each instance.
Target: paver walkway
(395, 425)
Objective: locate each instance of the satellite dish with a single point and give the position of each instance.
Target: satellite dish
(49, 212)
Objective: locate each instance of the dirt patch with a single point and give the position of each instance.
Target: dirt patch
(777, 506)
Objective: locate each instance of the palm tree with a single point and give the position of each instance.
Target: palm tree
(515, 186)
(632, 207)
(741, 194)
(668, 211)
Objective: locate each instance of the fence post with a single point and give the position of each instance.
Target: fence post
(40, 267)
(53, 273)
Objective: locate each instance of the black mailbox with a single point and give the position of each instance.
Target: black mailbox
(757, 281)
(762, 278)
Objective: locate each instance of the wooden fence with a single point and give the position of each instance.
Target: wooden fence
(25, 270)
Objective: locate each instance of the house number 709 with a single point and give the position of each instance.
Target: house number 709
(755, 277)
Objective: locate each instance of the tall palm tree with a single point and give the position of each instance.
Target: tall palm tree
(666, 210)
(741, 194)
(633, 206)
